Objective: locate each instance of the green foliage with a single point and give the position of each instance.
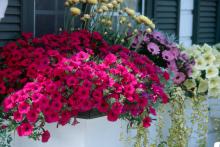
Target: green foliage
(5, 135)
(5, 138)
(199, 118)
(178, 133)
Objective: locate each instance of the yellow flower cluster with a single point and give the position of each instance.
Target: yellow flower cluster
(205, 71)
(140, 19)
(103, 6)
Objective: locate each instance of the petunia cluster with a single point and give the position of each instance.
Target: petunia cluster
(164, 53)
(205, 77)
(54, 78)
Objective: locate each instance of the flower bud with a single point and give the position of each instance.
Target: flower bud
(130, 12)
(92, 2)
(75, 11)
(110, 6)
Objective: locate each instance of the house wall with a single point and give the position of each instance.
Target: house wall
(3, 6)
(186, 22)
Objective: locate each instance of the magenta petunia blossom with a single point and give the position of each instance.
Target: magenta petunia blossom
(147, 122)
(58, 77)
(153, 48)
(25, 129)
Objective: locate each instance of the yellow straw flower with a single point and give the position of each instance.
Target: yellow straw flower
(104, 8)
(129, 11)
(115, 3)
(110, 6)
(67, 4)
(146, 21)
(75, 1)
(75, 11)
(148, 30)
(92, 2)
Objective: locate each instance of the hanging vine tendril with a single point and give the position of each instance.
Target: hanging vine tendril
(199, 119)
(178, 133)
(141, 139)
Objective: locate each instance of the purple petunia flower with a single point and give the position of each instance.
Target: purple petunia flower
(153, 48)
(184, 57)
(167, 55)
(172, 66)
(175, 51)
(159, 36)
(179, 77)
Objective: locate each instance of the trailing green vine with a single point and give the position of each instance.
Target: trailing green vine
(5, 132)
(159, 128)
(141, 137)
(178, 133)
(199, 119)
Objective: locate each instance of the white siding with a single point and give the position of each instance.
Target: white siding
(3, 6)
(186, 22)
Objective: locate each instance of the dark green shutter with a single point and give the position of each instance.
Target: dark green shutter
(206, 21)
(10, 26)
(165, 13)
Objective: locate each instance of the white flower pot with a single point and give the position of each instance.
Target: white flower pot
(97, 132)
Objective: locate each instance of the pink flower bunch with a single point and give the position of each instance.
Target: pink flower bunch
(54, 78)
(165, 54)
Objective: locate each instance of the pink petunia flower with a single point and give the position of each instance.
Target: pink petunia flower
(147, 122)
(45, 136)
(153, 48)
(179, 77)
(25, 129)
(32, 116)
(23, 107)
(110, 59)
(17, 116)
(167, 55)
(111, 116)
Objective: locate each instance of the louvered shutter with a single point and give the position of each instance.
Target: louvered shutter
(165, 13)
(206, 21)
(10, 26)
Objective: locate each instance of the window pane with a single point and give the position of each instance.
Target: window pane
(60, 22)
(45, 24)
(61, 4)
(45, 4)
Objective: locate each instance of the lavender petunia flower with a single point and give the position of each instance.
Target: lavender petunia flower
(184, 57)
(167, 55)
(153, 48)
(179, 77)
(159, 36)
